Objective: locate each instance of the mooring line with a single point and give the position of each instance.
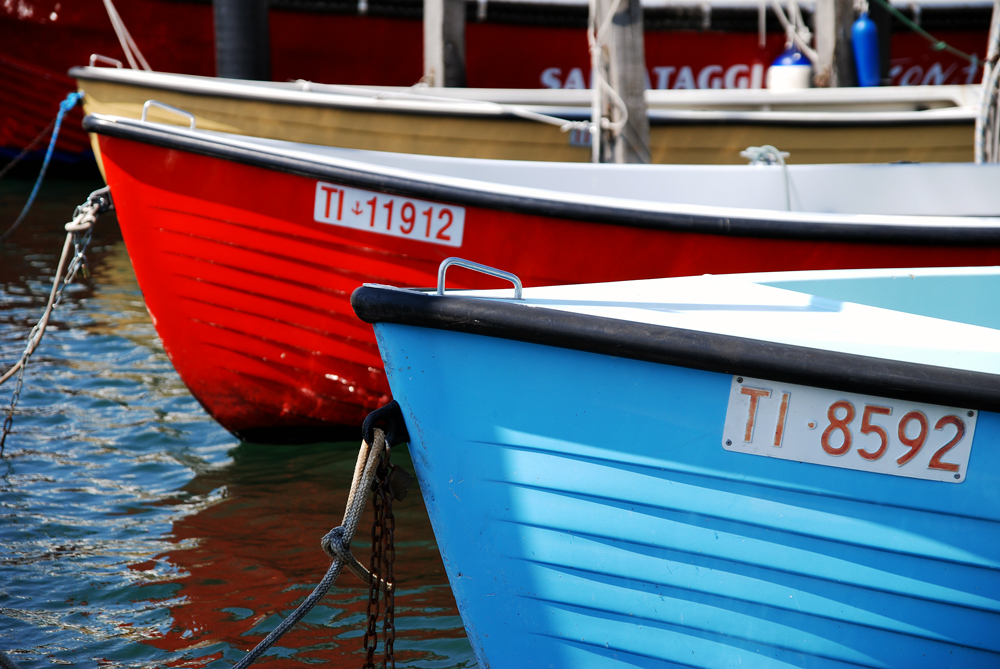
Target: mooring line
(28, 149)
(336, 544)
(78, 233)
(64, 108)
(373, 473)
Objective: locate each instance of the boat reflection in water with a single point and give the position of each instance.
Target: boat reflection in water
(135, 532)
(246, 559)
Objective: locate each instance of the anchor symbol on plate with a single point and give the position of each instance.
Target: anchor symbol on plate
(357, 208)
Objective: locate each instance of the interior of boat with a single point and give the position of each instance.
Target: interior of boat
(941, 189)
(913, 315)
(948, 293)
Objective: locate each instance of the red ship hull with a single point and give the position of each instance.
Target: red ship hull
(30, 98)
(337, 47)
(250, 294)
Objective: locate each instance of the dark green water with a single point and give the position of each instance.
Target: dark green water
(134, 531)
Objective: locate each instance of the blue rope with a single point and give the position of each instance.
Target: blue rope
(64, 108)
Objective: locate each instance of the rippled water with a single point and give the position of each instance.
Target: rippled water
(134, 531)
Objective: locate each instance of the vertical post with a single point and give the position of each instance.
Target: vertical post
(619, 59)
(242, 39)
(882, 19)
(833, 19)
(826, 39)
(444, 43)
(843, 73)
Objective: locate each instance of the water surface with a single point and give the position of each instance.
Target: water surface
(134, 531)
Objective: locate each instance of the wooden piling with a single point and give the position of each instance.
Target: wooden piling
(444, 43)
(622, 64)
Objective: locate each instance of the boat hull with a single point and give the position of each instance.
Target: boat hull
(30, 97)
(714, 138)
(250, 293)
(589, 516)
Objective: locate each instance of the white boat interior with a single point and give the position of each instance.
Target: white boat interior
(928, 316)
(940, 189)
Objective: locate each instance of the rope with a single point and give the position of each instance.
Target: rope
(993, 45)
(64, 107)
(28, 149)
(336, 544)
(78, 232)
(768, 155)
(520, 112)
(125, 38)
(987, 130)
(987, 137)
(936, 44)
(596, 36)
(796, 29)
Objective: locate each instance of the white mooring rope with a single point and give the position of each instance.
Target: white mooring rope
(125, 38)
(336, 543)
(78, 232)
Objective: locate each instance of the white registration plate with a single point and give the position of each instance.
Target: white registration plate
(838, 429)
(389, 214)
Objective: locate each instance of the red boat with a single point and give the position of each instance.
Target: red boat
(508, 45)
(247, 250)
(30, 96)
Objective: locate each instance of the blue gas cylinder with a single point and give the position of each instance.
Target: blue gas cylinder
(864, 35)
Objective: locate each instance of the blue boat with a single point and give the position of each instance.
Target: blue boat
(772, 470)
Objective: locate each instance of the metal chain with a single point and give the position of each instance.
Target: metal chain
(375, 568)
(336, 543)
(389, 557)
(383, 557)
(79, 232)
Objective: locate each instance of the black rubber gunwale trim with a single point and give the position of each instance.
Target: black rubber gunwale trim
(692, 349)
(168, 137)
(582, 114)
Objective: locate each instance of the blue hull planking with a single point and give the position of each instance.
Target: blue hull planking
(588, 516)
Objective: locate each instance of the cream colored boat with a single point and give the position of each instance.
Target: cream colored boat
(917, 123)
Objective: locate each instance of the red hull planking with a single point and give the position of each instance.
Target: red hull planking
(250, 295)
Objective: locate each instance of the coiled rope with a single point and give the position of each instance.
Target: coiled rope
(769, 155)
(337, 544)
(64, 108)
(78, 233)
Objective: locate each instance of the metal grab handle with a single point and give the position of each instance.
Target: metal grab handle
(476, 267)
(98, 58)
(164, 105)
